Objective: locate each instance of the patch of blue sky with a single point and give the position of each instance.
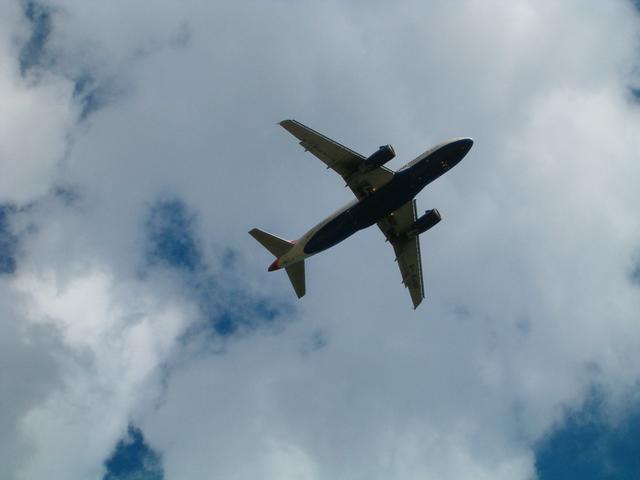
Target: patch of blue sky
(8, 242)
(635, 274)
(68, 195)
(225, 307)
(589, 447)
(33, 52)
(133, 459)
(90, 97)
(171, 237)
(634, 270)
(239, 312)
(635, 90)
(314, 342)
(90, 93)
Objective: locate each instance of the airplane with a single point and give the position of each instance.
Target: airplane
(383, 196)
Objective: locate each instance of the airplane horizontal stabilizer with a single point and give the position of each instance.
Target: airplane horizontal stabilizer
(296, 276)
(276, 245)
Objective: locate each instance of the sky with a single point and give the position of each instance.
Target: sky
(142, 337)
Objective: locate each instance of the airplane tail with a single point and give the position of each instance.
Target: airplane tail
(278, 247)
(295, 273)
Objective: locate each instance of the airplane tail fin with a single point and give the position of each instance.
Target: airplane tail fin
(278, 247)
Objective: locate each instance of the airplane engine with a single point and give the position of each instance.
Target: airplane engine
(379, 158)
(424, 223)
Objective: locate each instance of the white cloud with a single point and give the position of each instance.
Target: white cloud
(27, 372)
(116, 337)
(35, 119)
(529, 303)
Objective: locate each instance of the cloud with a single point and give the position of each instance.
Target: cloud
(28, 371)
(36, 119)
(139, 146)
(108, 366)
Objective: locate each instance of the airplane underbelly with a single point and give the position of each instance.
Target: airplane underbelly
(361, 215)
(371, 210)
(331, 234)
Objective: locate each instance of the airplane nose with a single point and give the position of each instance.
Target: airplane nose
(456, 150)
(464, 145)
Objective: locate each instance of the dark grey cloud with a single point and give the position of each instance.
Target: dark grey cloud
(30, 370)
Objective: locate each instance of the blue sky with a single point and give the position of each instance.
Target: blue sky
(588, 446)
(141, 328)
(8, 242)
(133, 459)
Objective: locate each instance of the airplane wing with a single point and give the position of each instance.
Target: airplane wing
(407, 249)
(339, 158)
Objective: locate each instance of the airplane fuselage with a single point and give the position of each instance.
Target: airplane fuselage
(362, 213)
